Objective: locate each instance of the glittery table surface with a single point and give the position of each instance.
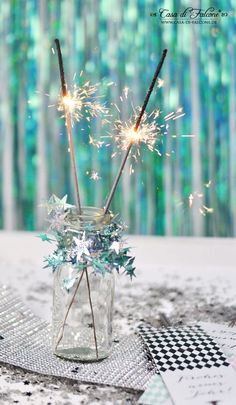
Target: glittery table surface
(26, 342)
(187, 279)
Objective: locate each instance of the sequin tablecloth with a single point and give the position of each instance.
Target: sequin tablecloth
(187, 279)
(25, 342)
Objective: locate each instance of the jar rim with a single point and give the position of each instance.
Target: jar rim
(90, 216)
(92, 208)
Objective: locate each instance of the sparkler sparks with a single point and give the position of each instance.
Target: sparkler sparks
(93, 175)
(196, 200)
(124, 133)
(94, 142)
(174, 115)
(150, 133)
(208, 184)
(82, 99)
(152, 130)
(126, 91)
(160, 83)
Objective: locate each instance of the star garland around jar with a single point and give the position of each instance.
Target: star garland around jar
(103, 250)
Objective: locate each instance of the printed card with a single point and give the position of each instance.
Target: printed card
(215, 386)
(232, 361)
(224, 335)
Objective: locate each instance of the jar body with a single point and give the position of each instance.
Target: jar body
(82, 314)
(88, 253)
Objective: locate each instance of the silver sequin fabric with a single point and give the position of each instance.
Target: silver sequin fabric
(25, 343)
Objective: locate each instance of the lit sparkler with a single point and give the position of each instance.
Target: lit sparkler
(70, 106)
(67, 115)
(152, 129)
(124, 133)
(134, 134)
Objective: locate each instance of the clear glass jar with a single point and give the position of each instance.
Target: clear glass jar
(82, 315)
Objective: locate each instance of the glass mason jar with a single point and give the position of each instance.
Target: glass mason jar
(82, 314)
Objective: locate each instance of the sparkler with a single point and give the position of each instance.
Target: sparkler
(133, 133)
(150, 132)
(70, 105)
(67, 104)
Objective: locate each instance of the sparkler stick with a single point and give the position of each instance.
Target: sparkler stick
(135, 129)
(66, 101)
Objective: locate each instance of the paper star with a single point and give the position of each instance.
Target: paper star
(68, 283)
(115, 246)
(44, 237)
(56, 204)
(82, 246)
(58, 221)
(53, 261)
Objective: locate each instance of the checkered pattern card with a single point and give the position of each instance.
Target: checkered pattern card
(180, 348)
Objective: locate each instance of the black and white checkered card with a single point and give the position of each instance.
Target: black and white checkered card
(180, 348)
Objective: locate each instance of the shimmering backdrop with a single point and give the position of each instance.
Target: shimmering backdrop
(119, 42)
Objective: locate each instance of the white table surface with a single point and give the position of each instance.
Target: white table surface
(21, 267)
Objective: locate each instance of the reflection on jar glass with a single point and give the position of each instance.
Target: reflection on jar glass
(83, 307)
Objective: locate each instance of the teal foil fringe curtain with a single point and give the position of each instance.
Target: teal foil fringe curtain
(121, 42)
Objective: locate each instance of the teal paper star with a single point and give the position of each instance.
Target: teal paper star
(68, 283)
(44, 237)
(53, 261)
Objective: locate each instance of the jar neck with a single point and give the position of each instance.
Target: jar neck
(92, 218)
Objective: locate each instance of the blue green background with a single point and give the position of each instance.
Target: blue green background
(119, 41)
